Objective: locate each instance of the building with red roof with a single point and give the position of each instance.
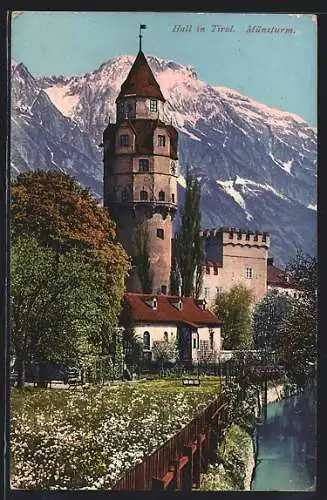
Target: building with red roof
(160, 318)
(279, 281)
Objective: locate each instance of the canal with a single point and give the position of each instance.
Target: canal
(286, 446)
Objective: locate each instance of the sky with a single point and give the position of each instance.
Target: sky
(278, 69)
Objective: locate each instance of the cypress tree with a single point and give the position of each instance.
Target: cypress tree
(189, 252)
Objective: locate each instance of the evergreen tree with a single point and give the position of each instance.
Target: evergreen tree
(233, 308)
(142, 258)
(189, 251)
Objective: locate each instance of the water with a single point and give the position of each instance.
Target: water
(287, 446)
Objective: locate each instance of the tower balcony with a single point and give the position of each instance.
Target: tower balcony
(150, 206)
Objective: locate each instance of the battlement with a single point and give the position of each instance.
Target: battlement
(231, 235)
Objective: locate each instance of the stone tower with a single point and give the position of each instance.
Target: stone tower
(140, 172)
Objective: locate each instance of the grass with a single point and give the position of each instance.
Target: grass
(230, 474)
(87, 438)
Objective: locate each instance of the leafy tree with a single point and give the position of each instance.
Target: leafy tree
(61, 214)
(165, 351)
(298, 332)
(234, 310)
(60, 308)
(267, 317)
(188, 244)
(142, 258)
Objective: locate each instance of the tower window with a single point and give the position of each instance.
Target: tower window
(160, 234)
(206, 292)
(161, 196)
(124, 140)
(153, 105)
(143, 195)
(124, 195)
(248, 272)
(161, 140)
(173, 198)
(144, 165)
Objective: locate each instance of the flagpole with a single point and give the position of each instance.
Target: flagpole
(140, 37)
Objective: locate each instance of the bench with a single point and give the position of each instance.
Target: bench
(191, 381)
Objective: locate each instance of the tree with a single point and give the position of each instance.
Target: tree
(234, 310)
(165, 351)
(60, 308)
(188, 244)
(142, 258)
(267, 317)
(63, 218)
(298, 332)
(60, 214)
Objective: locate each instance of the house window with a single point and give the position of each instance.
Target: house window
(248, 272)
(219, 290)
(144, 165)
(146, 340)
(124, 195)
(124, 140)
(153, 105)
(120, 107)
(206, 293)
(161, 196)
(143, 195)
(161, 141)
(286, 293)
(160, 234)
(194, 342)
(173, 198)
(295, 296)
(166, 336)
(211, 339)
(164, 289)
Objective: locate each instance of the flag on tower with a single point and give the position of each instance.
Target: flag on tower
(142, 27)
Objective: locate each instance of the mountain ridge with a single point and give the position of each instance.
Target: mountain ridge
(257, 164)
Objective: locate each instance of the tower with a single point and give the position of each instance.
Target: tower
(140, 172)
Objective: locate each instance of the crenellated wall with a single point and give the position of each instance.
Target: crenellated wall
(234, 256)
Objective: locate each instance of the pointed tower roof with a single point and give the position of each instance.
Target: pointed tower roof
(141, 81)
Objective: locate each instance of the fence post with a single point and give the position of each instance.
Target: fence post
(189, 451)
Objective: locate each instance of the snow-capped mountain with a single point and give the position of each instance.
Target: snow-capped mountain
(257, 165)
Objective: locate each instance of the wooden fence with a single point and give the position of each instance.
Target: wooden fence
(179, 463)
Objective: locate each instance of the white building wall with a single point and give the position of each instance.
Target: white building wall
(292, 292)
(156, 332)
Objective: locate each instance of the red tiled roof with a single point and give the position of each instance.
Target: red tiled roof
(166, 312)
(278, 277)
(141, 81)
(143, 130)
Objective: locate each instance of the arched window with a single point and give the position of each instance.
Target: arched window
(124, 195)
(173, 198)
(143, 195)
(161, 196)
(166, 336)
(146, 340)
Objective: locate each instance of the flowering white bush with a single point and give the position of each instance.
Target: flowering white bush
(88, 439)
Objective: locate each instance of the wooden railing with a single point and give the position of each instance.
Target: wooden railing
(179, 462)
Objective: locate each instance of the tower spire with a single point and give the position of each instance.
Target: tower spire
(142, 27)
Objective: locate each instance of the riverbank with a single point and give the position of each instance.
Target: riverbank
(238, 452)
